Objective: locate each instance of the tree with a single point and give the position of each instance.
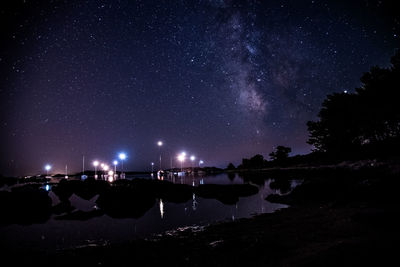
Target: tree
(230, 166)
(338, 127)
(370, 117)
(255, 162)
(280, 154)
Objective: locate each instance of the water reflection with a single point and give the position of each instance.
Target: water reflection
(182, 211)
(110, 176)
(162, 211)
(231, 176)
(194, 202)
(194, 180)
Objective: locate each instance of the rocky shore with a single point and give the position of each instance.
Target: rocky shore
(341, 217)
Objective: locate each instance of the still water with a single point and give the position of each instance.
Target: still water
(163, 216)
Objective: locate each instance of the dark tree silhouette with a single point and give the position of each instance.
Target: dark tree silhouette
(370, 117)
(256, 162)
(231, 166)
(337, 128)
(280, 154)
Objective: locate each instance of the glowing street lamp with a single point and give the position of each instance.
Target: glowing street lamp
(47, 168)
(201, 162)
(122, 157)
(95, 164)
(159, 144)
(105, 169)
(192, 158)
(110, 176)
(152, 166)
(181, 158)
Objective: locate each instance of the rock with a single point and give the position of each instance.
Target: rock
(227, 194)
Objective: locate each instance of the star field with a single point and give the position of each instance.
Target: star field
(220, 79)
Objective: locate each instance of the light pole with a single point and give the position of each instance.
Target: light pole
(181, 158)
(105, 169)
(200, 162)
(152, 167)
(159, 144)
(122, 157)
(47, 168)
(192, 158)
(115, 162)
(95, 164)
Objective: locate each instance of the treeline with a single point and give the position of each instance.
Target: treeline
(279, 157)
(364, 123)
(350, 126)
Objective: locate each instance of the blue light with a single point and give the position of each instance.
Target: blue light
(122, 156)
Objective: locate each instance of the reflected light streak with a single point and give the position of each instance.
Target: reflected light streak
(194, 205)
(161, 208)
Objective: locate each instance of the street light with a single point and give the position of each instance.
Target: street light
(95, 164)
(159, 144)
(115, 162)
(110, 176)
(152, 166)
(47, 168)
(122, 157)
(192, 158)
(181, 158)
(105, 169)
(200, 162)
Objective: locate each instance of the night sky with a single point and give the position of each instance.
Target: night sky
(221, 80)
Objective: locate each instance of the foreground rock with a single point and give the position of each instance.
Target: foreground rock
(28, 204)
(227, 194)
(24, 205)
(336, 218)
(346, 220)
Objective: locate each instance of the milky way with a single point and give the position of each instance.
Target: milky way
(219, 79)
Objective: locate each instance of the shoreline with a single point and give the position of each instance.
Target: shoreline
(339, 218)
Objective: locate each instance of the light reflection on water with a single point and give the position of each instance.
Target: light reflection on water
(161, 203)
(57, 234)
